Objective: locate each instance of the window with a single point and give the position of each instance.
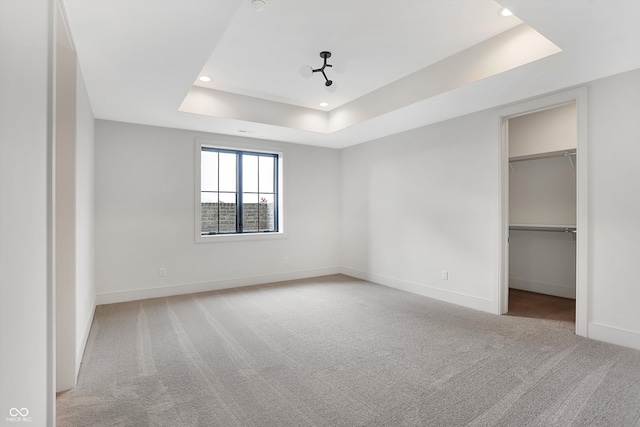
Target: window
(239, 192)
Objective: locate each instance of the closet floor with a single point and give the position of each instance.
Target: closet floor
(540, 306)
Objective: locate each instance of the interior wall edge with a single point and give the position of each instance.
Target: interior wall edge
(65, 213)
(84, 339)
(85, 216)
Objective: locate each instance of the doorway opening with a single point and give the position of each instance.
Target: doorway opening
(543, 209)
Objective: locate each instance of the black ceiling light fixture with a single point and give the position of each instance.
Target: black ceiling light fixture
(307, 71)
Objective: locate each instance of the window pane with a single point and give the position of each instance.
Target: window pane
(250, 173)
(227, 172)
(208, 197)
(228, 198)
(209, 213)
(209, 171)
(250, 211)
(227, 213)
(266, 212)
(266, 174)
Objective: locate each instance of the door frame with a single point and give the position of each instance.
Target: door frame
(501, 294)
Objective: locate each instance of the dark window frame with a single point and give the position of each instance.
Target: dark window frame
(240, 192)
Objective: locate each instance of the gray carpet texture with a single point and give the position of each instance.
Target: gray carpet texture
(336, 351)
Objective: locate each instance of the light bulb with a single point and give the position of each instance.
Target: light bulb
(339, 66)
(306, 71)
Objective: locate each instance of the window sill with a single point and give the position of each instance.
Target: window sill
(220, 238)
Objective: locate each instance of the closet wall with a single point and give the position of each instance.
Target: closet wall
(542, 201)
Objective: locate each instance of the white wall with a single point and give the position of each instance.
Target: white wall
(614, 209)
(554, 129)
(543, 262)
(145, 214)
(26, 299)
(425, 201)
(84, 212)
(543, 192)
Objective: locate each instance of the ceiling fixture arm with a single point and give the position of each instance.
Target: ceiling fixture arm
(324, 55)
(327, 81)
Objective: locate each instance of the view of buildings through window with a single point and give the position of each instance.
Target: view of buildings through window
(238, 191)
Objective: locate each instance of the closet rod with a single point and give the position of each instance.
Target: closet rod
(542, 228)
(564, 153)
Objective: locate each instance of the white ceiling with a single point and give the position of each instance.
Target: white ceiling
(379, 41)
(409, 62)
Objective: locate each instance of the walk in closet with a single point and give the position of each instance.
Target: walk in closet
(542, 202)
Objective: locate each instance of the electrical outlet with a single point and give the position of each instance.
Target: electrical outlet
(162, 272)
(445, 275)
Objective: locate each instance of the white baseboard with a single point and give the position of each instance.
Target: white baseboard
(215, 285)
(85, 339)
(464, 300)
(613, 335)
(543, 288)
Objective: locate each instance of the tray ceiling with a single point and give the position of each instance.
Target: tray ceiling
(408, 62)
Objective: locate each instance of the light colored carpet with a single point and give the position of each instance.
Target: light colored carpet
(336, 351)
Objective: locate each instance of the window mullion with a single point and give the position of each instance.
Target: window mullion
(239, 203)
(218, 189)
(276, 204)
(258, 190)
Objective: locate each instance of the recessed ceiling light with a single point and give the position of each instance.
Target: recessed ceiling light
(204, 78)
(505, 12)
(324, 104)
(258, 5)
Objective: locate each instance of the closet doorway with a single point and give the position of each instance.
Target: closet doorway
(543, 210)
(542, 214)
